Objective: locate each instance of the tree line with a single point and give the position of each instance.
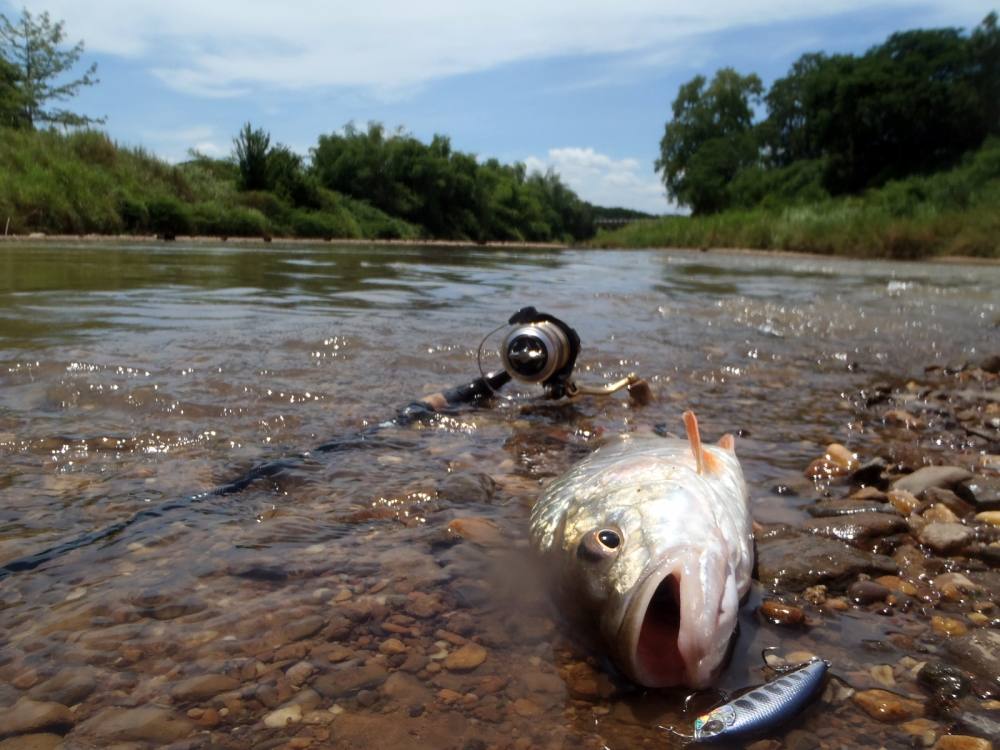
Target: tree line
(834, 124)
(442, 192)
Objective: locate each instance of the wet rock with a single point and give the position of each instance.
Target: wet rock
(392, 646)
(904, 502)
(955, 586)
(970, 718)
(69, 686)
(943, 680)
(793, 560)
(525, 708)
(939, 513)
(349, 680)
(423, 605)
(860, 526)
(27, 716)
(931, 476)
(33, 742)
(991, 517)
(298, 673)
(962, 742)
(296, 630)
(923, 731)
(949, 499)
(882, 674)
(866, 592)
(983, 492)
(895, 583)
(872, 494)
(202, 687)
(586, 683)
(283, 716)
(144, 724)
(827, 508)
(466, 487)
(888, 707)
(799, 739)
(781, 613)
(979, 654)
(466, 658)
(869, 473)
(406, 689)
(947, 626)
(944, 538)
(481, 531)
(367, 698)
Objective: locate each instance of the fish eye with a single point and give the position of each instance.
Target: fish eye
(599, 544)
(609, 538)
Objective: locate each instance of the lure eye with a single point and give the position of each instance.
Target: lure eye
(712, 727)
(599, 544)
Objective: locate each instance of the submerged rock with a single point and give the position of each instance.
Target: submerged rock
(203, 686)
(144, 724)
(28, 715)
(853, 527)
(827, 508)
(945, 537)
(931, 476)
(794, 560)
(983, 492)
(885, 706)
(69, 686)
(943, 680)
(978, 653)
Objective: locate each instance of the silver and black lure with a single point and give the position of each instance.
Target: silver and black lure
(763, 708)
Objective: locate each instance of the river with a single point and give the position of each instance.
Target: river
(135, 375)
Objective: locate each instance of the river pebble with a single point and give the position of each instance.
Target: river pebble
(145, 724)
(991, 517)
(29, 715)
(793, 561)
(888, 707)
(983, 492)
(945, 537)
(466, 658)
(69, 686)
(44, 741)
(781, 613)
(283, 716)
(202, 687)
(932, 476)
(943, 680)
(867, 591)
(962, 742)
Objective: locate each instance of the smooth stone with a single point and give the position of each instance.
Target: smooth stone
(962, 742)
(781, 613)
(799, 739)
(948, 626)
(888, 707)
(860, 526)
(931, 476)
(924, 731)
(866, 592)
(287, 715)
(943, 680)
(793, 560)
(869, 473)
(481, 531)
(945, 537)
(983, 492)
(978, 653)
(940, 513)
(871, 494)
(949, 499)
(955, 586)
(406, 689)
(991, 517)
(144, 724)
(392, 646)
(69, 686)
(299, 629)
(828, 508)
(895, 583)
(586, 683)
(202, 687)
(27, 716)
(467, 487)
(349, 680)
(904, 502)
(466, 658)
(44, 741)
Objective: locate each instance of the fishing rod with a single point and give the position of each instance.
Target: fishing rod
(538, 348)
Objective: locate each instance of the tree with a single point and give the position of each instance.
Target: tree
(251, 146)
(10, 96)
(710, 138)
(33, 45)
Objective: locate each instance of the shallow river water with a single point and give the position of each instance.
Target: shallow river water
(133, 378)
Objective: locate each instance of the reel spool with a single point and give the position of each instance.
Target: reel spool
(540, 349)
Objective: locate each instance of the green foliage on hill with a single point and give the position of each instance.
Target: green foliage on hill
(835, 124)
(950, 212)
(361, 184)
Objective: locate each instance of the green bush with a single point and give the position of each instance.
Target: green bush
(134, 214)
(169, 217)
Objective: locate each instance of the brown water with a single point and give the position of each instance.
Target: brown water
(133, 376)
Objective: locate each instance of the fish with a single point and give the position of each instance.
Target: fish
(762, 709)
(652, 539)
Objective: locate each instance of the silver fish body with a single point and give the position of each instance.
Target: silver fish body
(659, 547)
(763, 708)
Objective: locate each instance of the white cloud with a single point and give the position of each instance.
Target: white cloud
(605, 181)
(229, 47)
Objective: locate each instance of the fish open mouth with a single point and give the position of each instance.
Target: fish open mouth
(657, 660)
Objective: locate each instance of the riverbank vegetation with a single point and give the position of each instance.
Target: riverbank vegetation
(895, 153)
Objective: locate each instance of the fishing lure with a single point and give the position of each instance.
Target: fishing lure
(761, 709)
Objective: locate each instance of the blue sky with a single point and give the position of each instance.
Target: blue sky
(584, 86)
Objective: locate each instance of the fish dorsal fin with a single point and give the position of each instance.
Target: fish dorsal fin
(728, 443)
(694, 438)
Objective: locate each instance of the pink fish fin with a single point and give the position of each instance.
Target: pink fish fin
(694, 437)
(728, 442)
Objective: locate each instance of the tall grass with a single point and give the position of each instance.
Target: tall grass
(949, 213)
(83, 182)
